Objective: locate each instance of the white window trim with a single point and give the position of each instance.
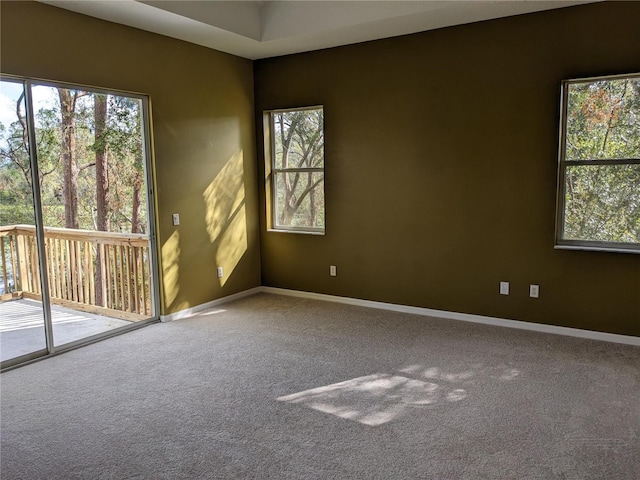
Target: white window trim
(271, 171)
(591, 245)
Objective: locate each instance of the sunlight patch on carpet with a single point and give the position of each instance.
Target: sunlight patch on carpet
(371, 400)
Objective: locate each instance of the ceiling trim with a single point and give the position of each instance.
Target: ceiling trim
(261, 29)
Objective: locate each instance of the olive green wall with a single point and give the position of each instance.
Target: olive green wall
(441, 151)
(204, 140)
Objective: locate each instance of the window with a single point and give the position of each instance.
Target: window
(295, 169)
(599, 165)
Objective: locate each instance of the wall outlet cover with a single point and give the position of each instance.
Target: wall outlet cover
(534, 291)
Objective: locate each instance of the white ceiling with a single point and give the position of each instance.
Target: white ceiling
(260, 29)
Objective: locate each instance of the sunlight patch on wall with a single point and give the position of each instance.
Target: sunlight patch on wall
(224, 196)
(171, 268)
(225, 217)
(233, 244)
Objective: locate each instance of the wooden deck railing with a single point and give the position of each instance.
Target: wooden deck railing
(98, 272)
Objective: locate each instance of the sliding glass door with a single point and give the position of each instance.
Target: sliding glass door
(91, 267)
(22, 331)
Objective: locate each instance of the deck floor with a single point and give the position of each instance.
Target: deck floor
(22, 326)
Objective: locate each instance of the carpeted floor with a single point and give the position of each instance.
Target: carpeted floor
(273, 387)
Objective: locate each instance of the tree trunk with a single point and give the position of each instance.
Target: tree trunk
(289, 207)
(312, 198)
(102, 184)
(69, 160)
(136, 226)
(287, 215)
(102, 177)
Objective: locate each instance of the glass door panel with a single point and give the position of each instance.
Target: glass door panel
(22, 329)
(90, 148)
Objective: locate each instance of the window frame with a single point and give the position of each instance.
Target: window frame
(271, 173)
(563, 164)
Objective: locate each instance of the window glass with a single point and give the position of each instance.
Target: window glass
(599, 174)
(297, 169)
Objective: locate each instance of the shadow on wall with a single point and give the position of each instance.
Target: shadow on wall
(226, 216)
(379, 398)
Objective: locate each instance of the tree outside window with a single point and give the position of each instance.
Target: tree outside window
(297, 169)
(599, 174)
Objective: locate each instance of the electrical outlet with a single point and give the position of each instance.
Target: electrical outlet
(534, 291)
(176, 219)
(504, 288)
(220, 272)
(332, 270)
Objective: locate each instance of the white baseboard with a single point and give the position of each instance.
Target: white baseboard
(190, 312)
(465, 317)
(429, 312)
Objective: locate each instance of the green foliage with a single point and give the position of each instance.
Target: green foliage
(602, 201)
(123, 142)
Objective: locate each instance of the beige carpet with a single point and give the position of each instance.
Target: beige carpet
(285, 388)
